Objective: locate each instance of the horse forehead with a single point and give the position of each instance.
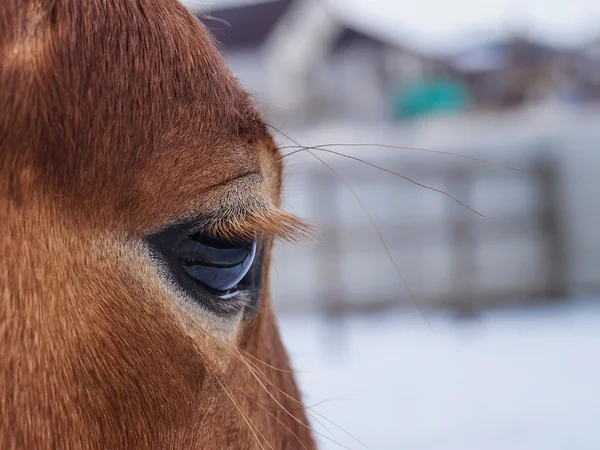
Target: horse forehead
(129, 94)
(162, 73)
(130, 70)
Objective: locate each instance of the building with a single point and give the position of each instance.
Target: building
(516, 70)
(306, 61)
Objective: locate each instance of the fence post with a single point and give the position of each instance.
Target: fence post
(551, 227)
(462, 243)
(330, 280)
(328, 261)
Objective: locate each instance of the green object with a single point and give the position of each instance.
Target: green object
(426, 97)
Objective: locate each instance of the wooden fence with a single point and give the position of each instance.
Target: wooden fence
(448, 256)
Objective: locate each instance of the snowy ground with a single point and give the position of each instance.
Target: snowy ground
(526, 379)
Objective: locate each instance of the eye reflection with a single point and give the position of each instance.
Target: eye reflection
(218, 264)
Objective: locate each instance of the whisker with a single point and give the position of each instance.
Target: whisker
(293, 409)
(294, 400)
(308, 410)
(385, 246)
(327, 400)
(284, 409)
(264, 363)
(312, 411)
(249, 365)
(269, 365)
(251, 426)
(373, 224)
(301, 148)
(282, 424)
(410, 180)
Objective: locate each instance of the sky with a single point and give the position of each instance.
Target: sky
(443, 25)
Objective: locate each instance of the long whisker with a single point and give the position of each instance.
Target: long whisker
(387, 249)
(294, 400)
(327, 400)
(260, 361)
(308, 410)
(249, 364)
(238, 353)
(215, 373)
(289, 413)
(282, 424)
(293, 409)
(301, 148)
(311, 411)
(364, 208)
(410, 180)
(251, 426)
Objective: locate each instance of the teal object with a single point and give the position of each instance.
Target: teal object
(426, 97)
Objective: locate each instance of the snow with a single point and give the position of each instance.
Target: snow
(520, 379)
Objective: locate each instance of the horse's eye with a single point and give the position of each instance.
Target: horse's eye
(211, 270)
(218, 264)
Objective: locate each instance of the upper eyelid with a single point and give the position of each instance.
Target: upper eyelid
(242, 211)
(222, 184)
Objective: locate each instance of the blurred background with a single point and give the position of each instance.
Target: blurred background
(415, 322)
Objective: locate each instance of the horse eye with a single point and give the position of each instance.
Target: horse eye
(218, 264)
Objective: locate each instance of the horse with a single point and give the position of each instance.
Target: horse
(140, 196)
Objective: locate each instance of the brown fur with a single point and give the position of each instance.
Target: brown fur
(118, 118)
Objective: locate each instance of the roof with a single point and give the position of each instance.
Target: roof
(229, 21)
(506, 52)
(352, 34)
